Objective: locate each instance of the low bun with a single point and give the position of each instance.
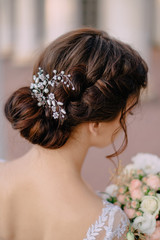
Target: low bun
(22, 112)
(21, 109)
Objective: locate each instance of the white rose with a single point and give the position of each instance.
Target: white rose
(129, 168)
(146, 223)
(148, 162)
(111, 190)
(150, 204)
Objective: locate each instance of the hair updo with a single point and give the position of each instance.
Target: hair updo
(105, 73)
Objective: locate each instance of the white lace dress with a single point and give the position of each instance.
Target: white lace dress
(112, 224)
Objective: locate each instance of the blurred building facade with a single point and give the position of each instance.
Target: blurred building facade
(27, 26)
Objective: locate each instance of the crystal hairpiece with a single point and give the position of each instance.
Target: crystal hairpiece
(40, 90)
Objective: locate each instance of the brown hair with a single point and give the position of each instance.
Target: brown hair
(105, 73)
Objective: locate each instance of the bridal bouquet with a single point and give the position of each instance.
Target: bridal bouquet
(137, 192)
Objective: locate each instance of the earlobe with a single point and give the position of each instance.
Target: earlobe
(94, 128)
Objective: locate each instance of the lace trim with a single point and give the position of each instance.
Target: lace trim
(120, 229)
(94, 230)
(108, 213)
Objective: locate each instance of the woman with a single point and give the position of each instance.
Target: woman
(84, 85)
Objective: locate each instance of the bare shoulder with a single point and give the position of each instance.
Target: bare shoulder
(38, 198)
(10, 179)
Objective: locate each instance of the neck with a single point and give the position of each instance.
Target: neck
(68, 158)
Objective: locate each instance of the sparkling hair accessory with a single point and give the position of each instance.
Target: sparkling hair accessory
(40, 90)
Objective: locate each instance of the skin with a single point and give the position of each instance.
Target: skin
(42, 194)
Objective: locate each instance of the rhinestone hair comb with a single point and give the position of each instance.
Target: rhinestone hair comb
(40, 90)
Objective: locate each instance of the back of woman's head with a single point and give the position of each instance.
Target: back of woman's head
(105, 73)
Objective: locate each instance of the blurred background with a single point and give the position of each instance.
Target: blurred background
(27, 26)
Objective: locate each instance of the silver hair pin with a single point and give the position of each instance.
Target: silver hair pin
(40, 90)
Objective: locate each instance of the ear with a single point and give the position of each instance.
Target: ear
(94, 128)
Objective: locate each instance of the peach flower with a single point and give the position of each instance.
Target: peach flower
(121, 198)
(145, 188)
(138, 213)
(136, 194)
(130, 212)
(134, 204)
(153, 181)
(151, 193)
(135, 183)
(144, 179)
(122, 190)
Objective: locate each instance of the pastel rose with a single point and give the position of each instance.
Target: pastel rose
(145, 224)
(153, 181)
(151, 205)
(135, 183)
(121, 198)
(148, 162)
(156, 234)
(130, 212)
(136, 194)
